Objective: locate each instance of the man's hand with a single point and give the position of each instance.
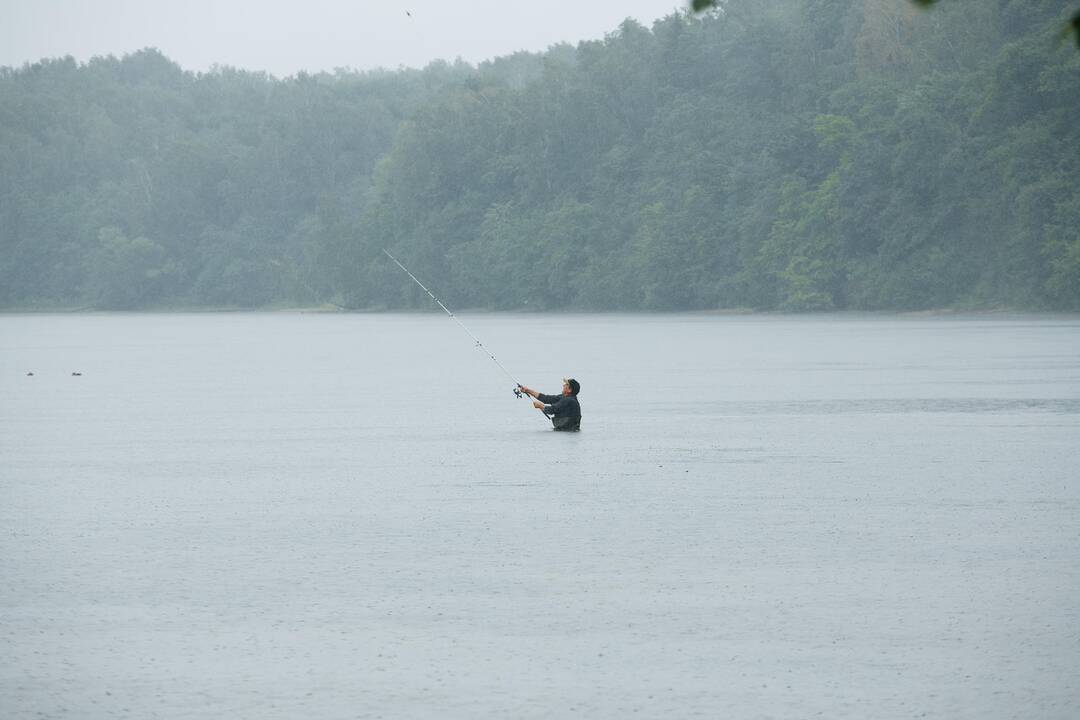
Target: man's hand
(538, 405)
(528, 391)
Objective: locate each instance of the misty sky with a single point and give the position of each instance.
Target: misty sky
(286, 37)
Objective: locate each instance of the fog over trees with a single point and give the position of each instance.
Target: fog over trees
(788, 155)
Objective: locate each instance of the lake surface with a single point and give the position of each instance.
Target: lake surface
(351, 516)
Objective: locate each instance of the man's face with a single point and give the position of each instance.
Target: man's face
(566, 388)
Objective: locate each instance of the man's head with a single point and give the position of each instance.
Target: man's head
(570, 386)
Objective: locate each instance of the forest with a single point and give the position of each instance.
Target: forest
(773, 155)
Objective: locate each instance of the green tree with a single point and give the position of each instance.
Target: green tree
(127, 273)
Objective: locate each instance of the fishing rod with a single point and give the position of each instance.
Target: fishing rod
(517, 386)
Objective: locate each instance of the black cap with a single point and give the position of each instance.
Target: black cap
(575, 386)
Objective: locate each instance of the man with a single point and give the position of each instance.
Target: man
(564, 410)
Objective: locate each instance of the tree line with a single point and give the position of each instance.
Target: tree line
(794, 155)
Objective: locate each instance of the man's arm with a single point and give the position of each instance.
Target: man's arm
(553, 402)
(547, 399)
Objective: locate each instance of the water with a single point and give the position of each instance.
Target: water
(341, 516)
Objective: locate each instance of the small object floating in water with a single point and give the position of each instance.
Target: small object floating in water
(29, 374)
(76, 374)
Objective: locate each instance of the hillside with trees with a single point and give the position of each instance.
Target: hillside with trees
(794, 155)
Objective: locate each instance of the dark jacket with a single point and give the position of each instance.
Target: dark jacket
(564, 410)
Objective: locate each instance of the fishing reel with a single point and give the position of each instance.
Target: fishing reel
(517, 392)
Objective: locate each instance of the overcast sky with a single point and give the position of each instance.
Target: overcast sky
(286, 37)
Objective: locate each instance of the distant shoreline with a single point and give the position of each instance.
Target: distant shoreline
(728, 312)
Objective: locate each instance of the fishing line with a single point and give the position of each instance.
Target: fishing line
(517, 385)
